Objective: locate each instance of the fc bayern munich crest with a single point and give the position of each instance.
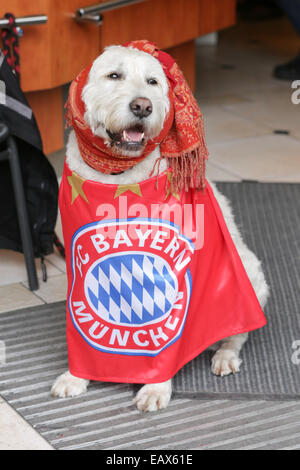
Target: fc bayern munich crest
(131, 285)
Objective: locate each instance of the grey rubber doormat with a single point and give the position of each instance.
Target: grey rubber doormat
(34, 339)
(268, 215)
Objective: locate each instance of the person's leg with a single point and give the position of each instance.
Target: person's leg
(290, 70)
(292, 10)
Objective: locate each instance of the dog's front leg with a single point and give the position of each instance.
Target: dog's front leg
(153, 397)
(226, 360)
(67, 385)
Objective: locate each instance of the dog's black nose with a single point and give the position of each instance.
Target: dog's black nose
(141, 107)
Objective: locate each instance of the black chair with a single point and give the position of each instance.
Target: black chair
(9, 152)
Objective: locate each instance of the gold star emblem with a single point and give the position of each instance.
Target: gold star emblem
(169, 176)
(76, 182)
(134, 188)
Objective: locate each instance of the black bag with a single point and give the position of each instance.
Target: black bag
(39, 178)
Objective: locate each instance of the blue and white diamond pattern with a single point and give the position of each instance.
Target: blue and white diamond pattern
(134, 288)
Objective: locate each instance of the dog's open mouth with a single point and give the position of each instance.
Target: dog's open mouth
(132, 138)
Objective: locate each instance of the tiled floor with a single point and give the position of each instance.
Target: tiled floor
(18, 434)
(243, 106)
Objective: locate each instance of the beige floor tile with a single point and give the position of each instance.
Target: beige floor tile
(57, 261)
(215, 173)
(296, 134)
(222, 126)
(16, 433)
(273, 110)
(17, 296)
(251, 55)
(54, 290)
(220, 100)
(243, 60)
(259, 158)
(213, 81)
(280, 179)
(13, 269)
(58, 228)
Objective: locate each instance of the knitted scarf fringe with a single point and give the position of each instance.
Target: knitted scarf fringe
(188, 171)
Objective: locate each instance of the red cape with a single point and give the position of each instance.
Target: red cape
(153, 279)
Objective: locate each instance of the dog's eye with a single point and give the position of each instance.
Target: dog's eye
(114, 75)
(152, 81)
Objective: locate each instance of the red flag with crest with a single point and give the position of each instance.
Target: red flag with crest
(154, 278)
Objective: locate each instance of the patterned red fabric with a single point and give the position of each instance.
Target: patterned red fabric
(184, 145)
(181, 139)
(92, 148)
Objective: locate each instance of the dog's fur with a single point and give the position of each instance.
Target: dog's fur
(118, 77)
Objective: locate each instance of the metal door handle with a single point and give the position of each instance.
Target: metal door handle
(25, 20)
(93, 12)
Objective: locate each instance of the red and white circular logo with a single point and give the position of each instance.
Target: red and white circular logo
(131, 285)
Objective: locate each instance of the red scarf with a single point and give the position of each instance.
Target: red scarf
(181, 140)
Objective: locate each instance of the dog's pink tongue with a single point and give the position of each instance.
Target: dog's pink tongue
(134, 135)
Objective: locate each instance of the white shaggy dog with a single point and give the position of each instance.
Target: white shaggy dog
(126, 100)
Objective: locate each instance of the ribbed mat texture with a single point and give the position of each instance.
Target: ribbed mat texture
(268, 215)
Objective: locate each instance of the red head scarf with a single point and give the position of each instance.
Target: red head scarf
(181, 140)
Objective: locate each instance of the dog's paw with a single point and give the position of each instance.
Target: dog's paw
(67, 385)
(153, 397)
(225, 362)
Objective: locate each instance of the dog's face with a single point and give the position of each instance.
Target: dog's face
(126, 99)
